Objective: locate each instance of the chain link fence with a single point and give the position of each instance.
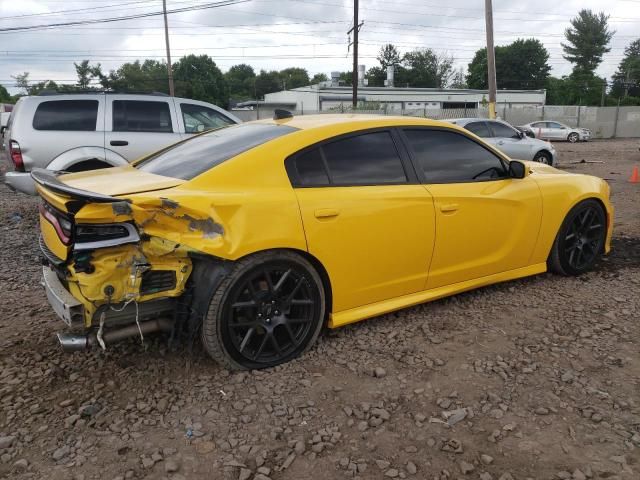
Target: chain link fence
(604, 122)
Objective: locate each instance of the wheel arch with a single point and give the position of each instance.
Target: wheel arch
(76, 156)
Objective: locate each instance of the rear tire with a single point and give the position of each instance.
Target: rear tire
(573, 137)
(580, 240)
(267, 311)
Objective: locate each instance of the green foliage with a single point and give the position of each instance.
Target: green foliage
(148, 76)
(458, 79)
(241, 81)
(626, 80)
(388, 56)
(86, 73)
(376, 76)
(575, 89)
(4, 95)
(345, 78)
(294, 78)
(199, 78)
(587, 41)
(522, 64)
(267, 82)
(424, 68)
(318, 78)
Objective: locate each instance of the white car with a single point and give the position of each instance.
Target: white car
(548, 130)
(513, 142)
(86, 131)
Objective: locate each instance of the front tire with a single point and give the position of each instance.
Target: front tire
(267, 311)
(573, 137)
(543, 157)
(580, 240)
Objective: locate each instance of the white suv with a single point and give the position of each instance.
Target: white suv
(85, 131)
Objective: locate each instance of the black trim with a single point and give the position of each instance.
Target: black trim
(48, 179)
(401, 150)
(48, 254)
(420, 173)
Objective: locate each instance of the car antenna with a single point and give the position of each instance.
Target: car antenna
(279, 114)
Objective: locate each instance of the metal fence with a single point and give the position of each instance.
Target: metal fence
(604, 122)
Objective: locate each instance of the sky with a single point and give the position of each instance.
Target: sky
(276, 34)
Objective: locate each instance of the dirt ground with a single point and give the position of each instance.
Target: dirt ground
(532, 379)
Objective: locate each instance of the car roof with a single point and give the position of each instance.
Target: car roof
(308, 122)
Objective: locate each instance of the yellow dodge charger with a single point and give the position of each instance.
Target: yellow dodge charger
(255, 236)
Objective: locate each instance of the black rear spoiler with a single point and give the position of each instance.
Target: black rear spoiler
(48, 179)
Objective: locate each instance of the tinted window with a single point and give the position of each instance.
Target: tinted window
(192, 157)
(67, 115)
(368, 159)
(310, 169)
(501, 130)
(449, 157)
(141, 116)
(479, 128)
(198, 118)
(538, 125)
(554, 125)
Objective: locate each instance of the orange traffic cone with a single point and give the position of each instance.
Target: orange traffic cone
(635, 176)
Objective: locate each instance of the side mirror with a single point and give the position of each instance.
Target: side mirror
(517, 169)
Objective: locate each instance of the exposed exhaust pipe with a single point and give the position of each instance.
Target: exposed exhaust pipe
(72, 342)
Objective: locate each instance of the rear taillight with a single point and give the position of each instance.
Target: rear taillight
(61, 224)
(16, 155)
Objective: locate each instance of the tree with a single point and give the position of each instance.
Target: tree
(388, 56)
(345, 79)
(587, 41)
(426, 69)
(241, 81)
(376, 76)
(626, 80)
(267, 82)
(579, 88)
(4, 95)
(319, 78)
(86, 73)
(294, 78)
(22, 81)
(458, 79)
(522, 64)
(149, 76)
(198, 77)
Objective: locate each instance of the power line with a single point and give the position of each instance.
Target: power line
(206, 6)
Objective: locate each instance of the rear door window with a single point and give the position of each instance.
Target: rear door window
(141, 116)
(500, 130)
(198, 154)
(479, 128)
(66, 115)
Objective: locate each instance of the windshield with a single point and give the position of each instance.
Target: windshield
(189, 159)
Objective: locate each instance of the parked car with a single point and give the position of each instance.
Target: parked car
(257, 235)
(79, 132)
(4, 121)
(510, 140)
(559, 131)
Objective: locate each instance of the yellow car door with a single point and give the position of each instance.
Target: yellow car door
(486, 222)
(366, 217)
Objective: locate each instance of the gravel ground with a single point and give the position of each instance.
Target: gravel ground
(532, 379)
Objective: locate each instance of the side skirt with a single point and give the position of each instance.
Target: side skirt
(374, 309)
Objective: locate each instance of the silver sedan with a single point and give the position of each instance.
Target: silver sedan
(549, 130)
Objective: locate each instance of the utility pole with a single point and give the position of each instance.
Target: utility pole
(166, 38)
(354, 74)
(491, 58)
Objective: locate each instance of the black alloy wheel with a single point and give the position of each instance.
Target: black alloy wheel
(580, 240)
(268, 311)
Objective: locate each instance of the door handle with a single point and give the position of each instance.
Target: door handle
(501, 142)
(119, 143)
(326, 213)
(449, 207)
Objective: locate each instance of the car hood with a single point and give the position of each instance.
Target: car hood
(543, 169)
(118, 181)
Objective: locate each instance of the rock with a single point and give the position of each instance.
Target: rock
(261, 476)
(455, 416)
(21, 465)
(382, 464)
(391, 473)
(71, 420)
(578, 475)
(379, 372)
(567, 376)
(621, 459)
(244, 474)
(411, 468)
(506, 476)
(7, 442)
(147, 462)
(542, 411)
(485, 476)
(486, 459)
(299, 447)
(171, 466)
(61, 452)
(466, 467)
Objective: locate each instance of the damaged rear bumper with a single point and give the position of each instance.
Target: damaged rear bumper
(70, 310)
